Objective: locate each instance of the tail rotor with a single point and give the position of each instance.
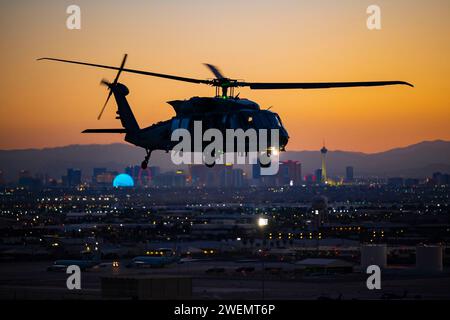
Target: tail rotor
(111, 85)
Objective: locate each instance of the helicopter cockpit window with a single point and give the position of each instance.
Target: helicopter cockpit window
(185, 123)
(277, 119)
(234, 121)
(224, 120)
(175, 124)
(267, 120)
(274, 121)
(261, 121)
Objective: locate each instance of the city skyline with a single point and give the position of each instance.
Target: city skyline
(418, 161)
(220, 176)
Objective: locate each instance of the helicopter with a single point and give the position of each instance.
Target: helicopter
(223, 111)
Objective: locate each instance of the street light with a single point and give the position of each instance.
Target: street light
(262, 223)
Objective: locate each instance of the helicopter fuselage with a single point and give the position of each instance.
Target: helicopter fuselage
(213, 113)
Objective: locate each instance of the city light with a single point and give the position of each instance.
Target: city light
(262, 222)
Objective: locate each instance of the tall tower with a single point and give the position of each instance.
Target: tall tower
(324, 151)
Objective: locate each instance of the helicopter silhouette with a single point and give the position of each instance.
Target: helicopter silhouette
(222, 111)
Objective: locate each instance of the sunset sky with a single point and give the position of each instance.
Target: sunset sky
(46, 104)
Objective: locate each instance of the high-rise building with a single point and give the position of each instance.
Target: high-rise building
(238, 178)
(171, 179)
(73, 177)
(2, 179)
(441, 178)
(319, 207)
(24, 174)
(198, 175)
(27, 181)
(221, 175)
(309, 179)
(411, 182)
(396, 182)
(96, 172)
(225, 174)
(323, 152)
(256, 171)
(257, 178)
(290, 172)
(319, 176)
(106, 178)
(154, 171)
(349, 171)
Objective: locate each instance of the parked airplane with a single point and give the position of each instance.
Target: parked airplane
(160, 258)
(87, 262)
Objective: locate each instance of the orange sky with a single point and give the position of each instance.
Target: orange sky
(48, 104)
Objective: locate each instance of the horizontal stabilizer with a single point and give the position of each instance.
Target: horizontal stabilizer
(105, 131)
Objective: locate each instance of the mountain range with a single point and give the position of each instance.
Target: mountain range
(417, 161)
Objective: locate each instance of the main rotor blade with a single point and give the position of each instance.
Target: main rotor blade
(146, 73)
(252, 85)
(104, 106)
(214, 70)
(318, 85)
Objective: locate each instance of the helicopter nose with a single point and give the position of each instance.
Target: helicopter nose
(284, 138)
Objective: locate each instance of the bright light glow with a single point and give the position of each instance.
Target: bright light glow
(274, 151)
(262, 222)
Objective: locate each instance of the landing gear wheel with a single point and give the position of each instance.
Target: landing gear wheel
(210, 165)
(266, 165)
(144, 163)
